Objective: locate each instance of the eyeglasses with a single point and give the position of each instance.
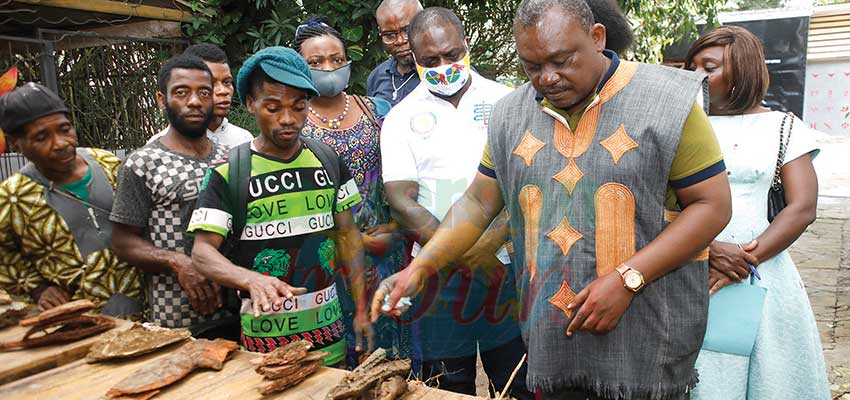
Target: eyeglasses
(390, 37)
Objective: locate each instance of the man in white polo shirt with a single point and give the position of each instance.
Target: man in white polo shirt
(220, 130)
(430, 148)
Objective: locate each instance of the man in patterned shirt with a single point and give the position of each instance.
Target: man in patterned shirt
(54, 214)
(157, 189)
(219, 129)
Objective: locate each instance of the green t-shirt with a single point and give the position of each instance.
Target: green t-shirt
(291, 208)
(80, 187)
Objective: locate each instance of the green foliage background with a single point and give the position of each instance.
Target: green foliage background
(244, 26)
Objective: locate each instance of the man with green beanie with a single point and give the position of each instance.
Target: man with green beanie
(280, 208)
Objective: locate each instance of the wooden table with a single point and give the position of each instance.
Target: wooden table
(237, 380)
(17, 364)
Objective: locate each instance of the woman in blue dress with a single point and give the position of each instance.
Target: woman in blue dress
(787, 359)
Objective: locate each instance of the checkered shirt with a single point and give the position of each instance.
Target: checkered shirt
(173, 182)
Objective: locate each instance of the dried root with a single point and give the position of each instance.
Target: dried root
(392, 388)
(375, 378)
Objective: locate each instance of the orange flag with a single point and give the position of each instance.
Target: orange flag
(7, 83)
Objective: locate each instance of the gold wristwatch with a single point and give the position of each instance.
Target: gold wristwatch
(632, 278)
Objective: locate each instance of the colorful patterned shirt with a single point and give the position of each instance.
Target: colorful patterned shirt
(38, 245)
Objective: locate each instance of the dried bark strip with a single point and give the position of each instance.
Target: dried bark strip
(134, 341)
(292, 352)
(277, 372)
(73, 329)
(12, 313)
(304, 370)
(64, 311)
(167, 370)
(138, 396)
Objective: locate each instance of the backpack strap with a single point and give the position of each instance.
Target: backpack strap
(329, 160)
(238, 179)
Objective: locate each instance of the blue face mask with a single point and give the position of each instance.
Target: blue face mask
(331, 83)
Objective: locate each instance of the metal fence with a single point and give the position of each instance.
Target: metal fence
(108, 83)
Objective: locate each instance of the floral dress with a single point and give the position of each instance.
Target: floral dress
(359, 148)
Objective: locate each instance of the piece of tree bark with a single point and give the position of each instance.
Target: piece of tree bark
(280, 371)
(134, 341)
(304, 370)
(167, 370)
(291, 353)
(72, 329)
(64, 311)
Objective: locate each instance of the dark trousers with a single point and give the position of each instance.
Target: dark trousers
(458, 374)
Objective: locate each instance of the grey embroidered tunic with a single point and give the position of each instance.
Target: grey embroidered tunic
(580, 204)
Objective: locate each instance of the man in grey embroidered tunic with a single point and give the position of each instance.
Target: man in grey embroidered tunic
(614, 183)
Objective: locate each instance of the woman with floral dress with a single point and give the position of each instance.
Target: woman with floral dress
(351, 125)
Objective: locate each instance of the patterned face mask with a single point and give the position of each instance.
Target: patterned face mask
(448, 79)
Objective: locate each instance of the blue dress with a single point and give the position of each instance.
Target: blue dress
(787, 360)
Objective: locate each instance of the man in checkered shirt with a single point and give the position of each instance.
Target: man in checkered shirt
(157, 189)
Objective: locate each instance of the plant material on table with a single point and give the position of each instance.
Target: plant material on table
(288, 366)
(135, 341)
(154, 375)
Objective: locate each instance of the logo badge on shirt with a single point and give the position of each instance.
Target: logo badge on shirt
(423, 123)
(481, 112)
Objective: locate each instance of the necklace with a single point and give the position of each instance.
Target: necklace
(396, 89)
(333, 123)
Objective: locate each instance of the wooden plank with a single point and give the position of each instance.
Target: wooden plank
(116, 7)
(815, 25)
(237, 380)
(820, 38)
(832, 56)
(824, 31)
(836, 17)
(16, 364)
(826, 49)
(827, 43)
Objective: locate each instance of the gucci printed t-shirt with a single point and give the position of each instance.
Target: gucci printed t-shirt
(290, 211)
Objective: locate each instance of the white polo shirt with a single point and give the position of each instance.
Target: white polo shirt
(227, 134)
(427, 140)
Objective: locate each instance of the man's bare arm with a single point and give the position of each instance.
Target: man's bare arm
(408, 212)
(130, 246)
(468, 218)
(264, 290)
(706, 209)
(350, 251)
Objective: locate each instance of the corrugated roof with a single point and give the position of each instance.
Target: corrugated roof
(829, 33)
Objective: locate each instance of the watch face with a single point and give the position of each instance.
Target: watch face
(632, 280)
